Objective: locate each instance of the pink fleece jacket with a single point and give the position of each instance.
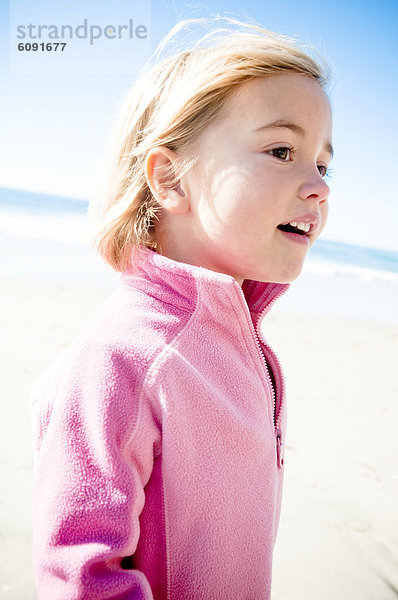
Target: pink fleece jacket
(158, 438)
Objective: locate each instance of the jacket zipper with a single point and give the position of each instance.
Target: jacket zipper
(256, 337)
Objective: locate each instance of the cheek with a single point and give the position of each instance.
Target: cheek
(232, 195)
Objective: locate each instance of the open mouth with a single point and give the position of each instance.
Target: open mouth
(300, 228)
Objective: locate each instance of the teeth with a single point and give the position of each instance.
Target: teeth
(303, 226)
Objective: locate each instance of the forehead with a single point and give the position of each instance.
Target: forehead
(291, 96)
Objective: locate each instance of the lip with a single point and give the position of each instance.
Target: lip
(297, 237)
(312, 218)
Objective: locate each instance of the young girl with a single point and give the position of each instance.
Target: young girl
(159, 431)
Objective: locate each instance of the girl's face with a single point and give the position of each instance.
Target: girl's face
(261, 166)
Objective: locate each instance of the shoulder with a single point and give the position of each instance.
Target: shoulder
(133, 324)
(116, 347)
(97, 383)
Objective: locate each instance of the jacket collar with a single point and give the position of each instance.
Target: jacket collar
(176, 282)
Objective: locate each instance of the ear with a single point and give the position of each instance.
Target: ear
(159, 172)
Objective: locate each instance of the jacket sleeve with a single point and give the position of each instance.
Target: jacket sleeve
(94, 445)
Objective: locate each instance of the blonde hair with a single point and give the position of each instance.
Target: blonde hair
(170, 105)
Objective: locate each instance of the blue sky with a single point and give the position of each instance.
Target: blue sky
(54, 125)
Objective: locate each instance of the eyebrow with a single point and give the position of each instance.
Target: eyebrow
(294, 127)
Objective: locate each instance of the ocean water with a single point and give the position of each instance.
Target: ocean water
(43, 238)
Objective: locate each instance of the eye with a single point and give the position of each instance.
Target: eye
(282, 152)
(324, 171)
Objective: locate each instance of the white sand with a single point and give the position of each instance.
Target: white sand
(338, 536)
(338, 531)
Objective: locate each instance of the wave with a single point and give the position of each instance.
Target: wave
(331, 268)
(61, 227)
(31, 216)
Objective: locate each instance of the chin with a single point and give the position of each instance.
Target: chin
(284, 275)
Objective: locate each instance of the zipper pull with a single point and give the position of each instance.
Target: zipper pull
(279, 448)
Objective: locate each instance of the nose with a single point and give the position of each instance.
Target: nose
(315, 188)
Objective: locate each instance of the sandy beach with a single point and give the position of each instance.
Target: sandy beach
(338, 535)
